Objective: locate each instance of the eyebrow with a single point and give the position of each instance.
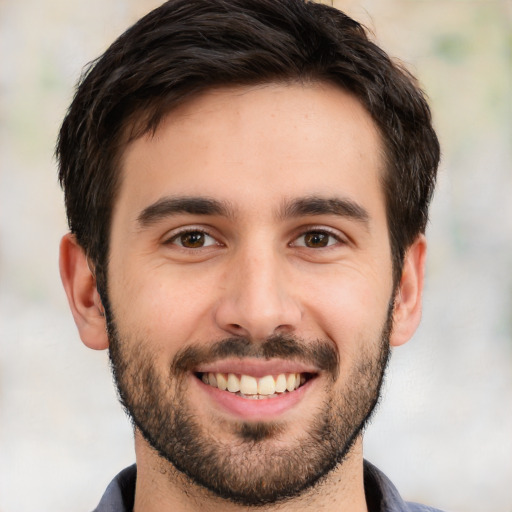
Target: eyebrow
(300, 207)
(169, 206)
(315, 205)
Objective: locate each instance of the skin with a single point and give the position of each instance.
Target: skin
(254, 149)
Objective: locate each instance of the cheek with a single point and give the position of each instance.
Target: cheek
(349, 306)
(167, 306)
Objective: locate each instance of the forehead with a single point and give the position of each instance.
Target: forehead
(253, 145)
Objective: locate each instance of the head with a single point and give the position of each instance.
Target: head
(184, 48)
(248, 182)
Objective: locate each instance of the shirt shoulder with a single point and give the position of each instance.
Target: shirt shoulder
(383, 496)
(119, 495)
(418, 507)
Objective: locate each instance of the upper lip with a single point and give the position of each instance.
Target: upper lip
(256, 367)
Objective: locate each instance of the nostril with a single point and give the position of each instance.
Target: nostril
(238, 329)
(284, 329)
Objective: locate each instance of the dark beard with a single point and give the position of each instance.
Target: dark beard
(252, 471)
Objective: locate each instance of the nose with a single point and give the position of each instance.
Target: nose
(257, 297)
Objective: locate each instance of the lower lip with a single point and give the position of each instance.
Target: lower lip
(254, 410)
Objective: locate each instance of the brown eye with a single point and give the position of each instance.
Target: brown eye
(193, 240)
(316, 240)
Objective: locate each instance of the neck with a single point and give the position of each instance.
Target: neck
(160, 487)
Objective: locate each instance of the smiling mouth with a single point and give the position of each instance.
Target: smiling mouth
(253, 388)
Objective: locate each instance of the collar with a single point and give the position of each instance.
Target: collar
(381, 494)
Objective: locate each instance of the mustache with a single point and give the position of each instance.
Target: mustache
(320, 353)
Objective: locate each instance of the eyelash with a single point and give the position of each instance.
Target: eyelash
(319, 231)
(310, 230)
(190, 231)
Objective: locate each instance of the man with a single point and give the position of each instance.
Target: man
(247, 186)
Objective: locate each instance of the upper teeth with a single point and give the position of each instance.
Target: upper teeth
(248, 385)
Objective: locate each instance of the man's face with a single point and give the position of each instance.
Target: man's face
(249, 250)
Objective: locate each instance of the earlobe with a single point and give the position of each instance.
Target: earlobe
(83, 297)
(408, 299)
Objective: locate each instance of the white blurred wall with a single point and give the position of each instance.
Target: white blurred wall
(444, 430)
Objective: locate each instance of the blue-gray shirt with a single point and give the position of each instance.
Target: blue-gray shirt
(381, 494)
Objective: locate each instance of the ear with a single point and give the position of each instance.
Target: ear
(408, 301)
(83, 297)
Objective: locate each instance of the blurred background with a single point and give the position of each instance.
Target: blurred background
(443, 433)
